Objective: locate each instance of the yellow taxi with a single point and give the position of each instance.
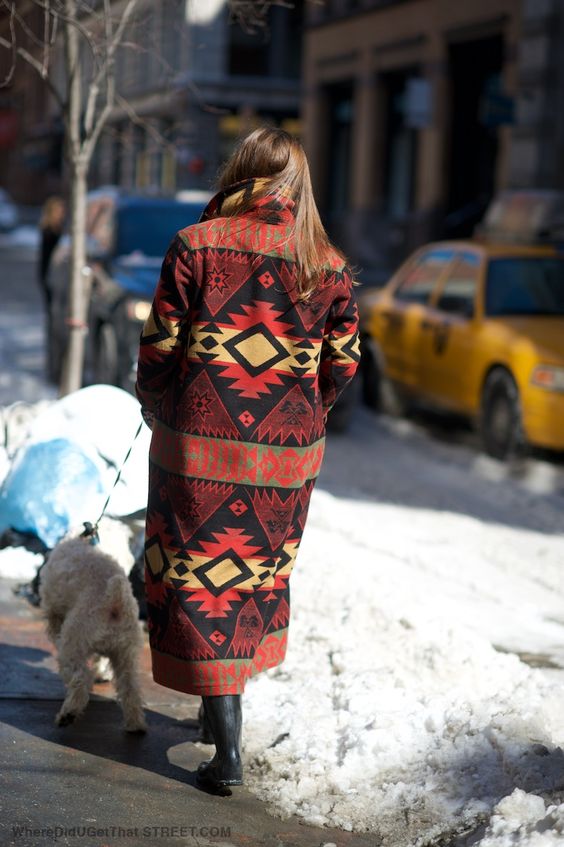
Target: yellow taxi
(475, 328)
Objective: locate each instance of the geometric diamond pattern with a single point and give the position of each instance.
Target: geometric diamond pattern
(246, 418)
(238, 507)
(237, 374)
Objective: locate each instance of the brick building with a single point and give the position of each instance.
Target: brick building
(190, 81)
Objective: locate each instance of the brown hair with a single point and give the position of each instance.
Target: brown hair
(53, 213)
(278, 159)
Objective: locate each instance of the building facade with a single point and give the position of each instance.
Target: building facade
(190, 81)
(417, 111)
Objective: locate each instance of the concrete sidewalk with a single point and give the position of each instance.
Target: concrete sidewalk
(113, 789)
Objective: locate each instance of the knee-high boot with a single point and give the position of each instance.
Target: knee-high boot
(206, 736)
(224, 714)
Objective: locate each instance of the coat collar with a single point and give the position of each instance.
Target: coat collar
(269, 208)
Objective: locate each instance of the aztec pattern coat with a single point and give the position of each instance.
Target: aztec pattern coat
(235, 376)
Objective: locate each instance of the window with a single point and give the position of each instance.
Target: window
(531, 286)
(269, 50)
(421, 278)
(459, 291)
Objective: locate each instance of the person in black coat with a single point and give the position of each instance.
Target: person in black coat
(51, 227)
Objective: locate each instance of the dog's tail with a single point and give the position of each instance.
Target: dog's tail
(118, 597)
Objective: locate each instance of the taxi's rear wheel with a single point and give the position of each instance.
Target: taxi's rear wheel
(501, 426)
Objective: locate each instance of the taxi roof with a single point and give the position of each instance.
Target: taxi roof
(496, 250)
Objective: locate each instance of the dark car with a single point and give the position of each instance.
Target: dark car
(127, 237)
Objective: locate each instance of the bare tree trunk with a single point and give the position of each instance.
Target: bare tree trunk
(71, 379)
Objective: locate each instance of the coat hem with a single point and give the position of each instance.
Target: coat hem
(208, 677)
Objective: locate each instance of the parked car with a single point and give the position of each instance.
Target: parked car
(127, 237)
(8, 212)
(477, 328)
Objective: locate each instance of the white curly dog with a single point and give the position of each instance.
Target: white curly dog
(91, 612)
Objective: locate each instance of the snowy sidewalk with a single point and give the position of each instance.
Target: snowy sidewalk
(402, 717)
(22, 329)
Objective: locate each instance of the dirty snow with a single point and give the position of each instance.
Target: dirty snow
(525, 819)
(402, 708)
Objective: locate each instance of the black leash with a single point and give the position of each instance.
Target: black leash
(91, 530)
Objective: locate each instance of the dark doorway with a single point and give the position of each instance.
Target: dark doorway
(340, 121)
(474, 74)
(400, 144)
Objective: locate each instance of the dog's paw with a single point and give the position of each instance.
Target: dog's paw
(136, 724)
(65, 718)
(140, 729)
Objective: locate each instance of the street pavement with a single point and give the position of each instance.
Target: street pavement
(128, 790)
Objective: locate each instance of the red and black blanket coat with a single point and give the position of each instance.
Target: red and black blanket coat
(235, 376)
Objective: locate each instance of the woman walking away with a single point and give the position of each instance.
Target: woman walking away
(253, 334)
(51, 227)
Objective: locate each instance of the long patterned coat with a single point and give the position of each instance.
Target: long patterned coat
(235, 376)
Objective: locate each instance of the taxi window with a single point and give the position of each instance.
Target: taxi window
(420, 280)
(525, 286)
(459, 291)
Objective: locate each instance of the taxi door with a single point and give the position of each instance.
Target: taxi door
(449, 334)
(401, 315)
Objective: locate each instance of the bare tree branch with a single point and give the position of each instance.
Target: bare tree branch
(107, 66)
(11, 70)
(59, 14)
(37, 65)
(11, 6)
(138, 120)
(252, 14)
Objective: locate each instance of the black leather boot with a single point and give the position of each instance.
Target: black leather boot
(206, 736)
(224, 714)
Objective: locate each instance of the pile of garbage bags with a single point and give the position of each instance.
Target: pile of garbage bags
(66, 463)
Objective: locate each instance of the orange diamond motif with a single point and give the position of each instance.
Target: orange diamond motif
(246, 418)
(217, 637)
(238, 507)
(266, 279)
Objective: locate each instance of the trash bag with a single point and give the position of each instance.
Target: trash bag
(52, 486)
(104, 419)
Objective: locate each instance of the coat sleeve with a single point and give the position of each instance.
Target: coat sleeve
(164, 332)
(340, 349)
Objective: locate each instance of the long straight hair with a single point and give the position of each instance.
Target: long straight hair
(278, 159)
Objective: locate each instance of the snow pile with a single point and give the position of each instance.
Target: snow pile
(104, 420)
(393, 712)
(67, 460)
(116, 538)
(19, 563)
(523, 820)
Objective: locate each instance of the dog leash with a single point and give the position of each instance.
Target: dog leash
(91, 530)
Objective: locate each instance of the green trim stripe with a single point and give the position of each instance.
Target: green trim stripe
(240, 462)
